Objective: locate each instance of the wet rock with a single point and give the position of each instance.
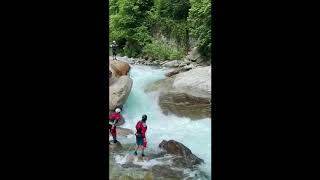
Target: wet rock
(130, 165)
(123, 131)
(149, 176)
(185, 157)
(115, 147)
(166, 172)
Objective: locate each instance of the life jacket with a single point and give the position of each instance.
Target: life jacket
(141, 129)
(115, 117)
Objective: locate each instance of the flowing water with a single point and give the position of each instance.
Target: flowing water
(196, 135)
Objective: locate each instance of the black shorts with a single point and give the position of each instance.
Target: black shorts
(139, 141)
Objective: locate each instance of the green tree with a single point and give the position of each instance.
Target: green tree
(150, 27)
(200, 25)
(127, 24)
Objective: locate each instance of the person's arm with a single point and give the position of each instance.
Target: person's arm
(144, 132)
(117, 119)
(111, 120)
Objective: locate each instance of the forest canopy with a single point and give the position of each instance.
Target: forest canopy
(160, 29)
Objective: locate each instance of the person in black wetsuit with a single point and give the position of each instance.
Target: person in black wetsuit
(114, 47)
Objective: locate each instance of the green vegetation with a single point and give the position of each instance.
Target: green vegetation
(160, 29)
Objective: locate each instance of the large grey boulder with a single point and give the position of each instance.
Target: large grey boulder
(196, 82)
(187, 94)
(119, 92)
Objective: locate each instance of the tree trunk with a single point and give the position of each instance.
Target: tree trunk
(187, 41)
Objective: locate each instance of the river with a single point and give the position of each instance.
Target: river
(194, 134)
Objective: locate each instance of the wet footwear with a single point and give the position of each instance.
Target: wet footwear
(135, 153)
(142, 155)
(115, 141)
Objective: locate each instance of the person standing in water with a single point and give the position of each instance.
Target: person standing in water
(114, 50)
(141, 140)
(114, 118)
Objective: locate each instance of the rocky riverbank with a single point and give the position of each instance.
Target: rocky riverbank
(191, 61)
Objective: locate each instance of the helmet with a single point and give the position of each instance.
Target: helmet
(114, 41)
(144, 117)
(118, 110)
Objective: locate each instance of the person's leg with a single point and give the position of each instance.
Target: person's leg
(135, 151)
(142, 151)
(139, 143)
(109, 132)
(137, 146)
(114, 134)
(114, 55)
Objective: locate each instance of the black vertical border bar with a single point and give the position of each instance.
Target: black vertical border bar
(106, 83)
(104, 66)
(214, 157)
(216, 125)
